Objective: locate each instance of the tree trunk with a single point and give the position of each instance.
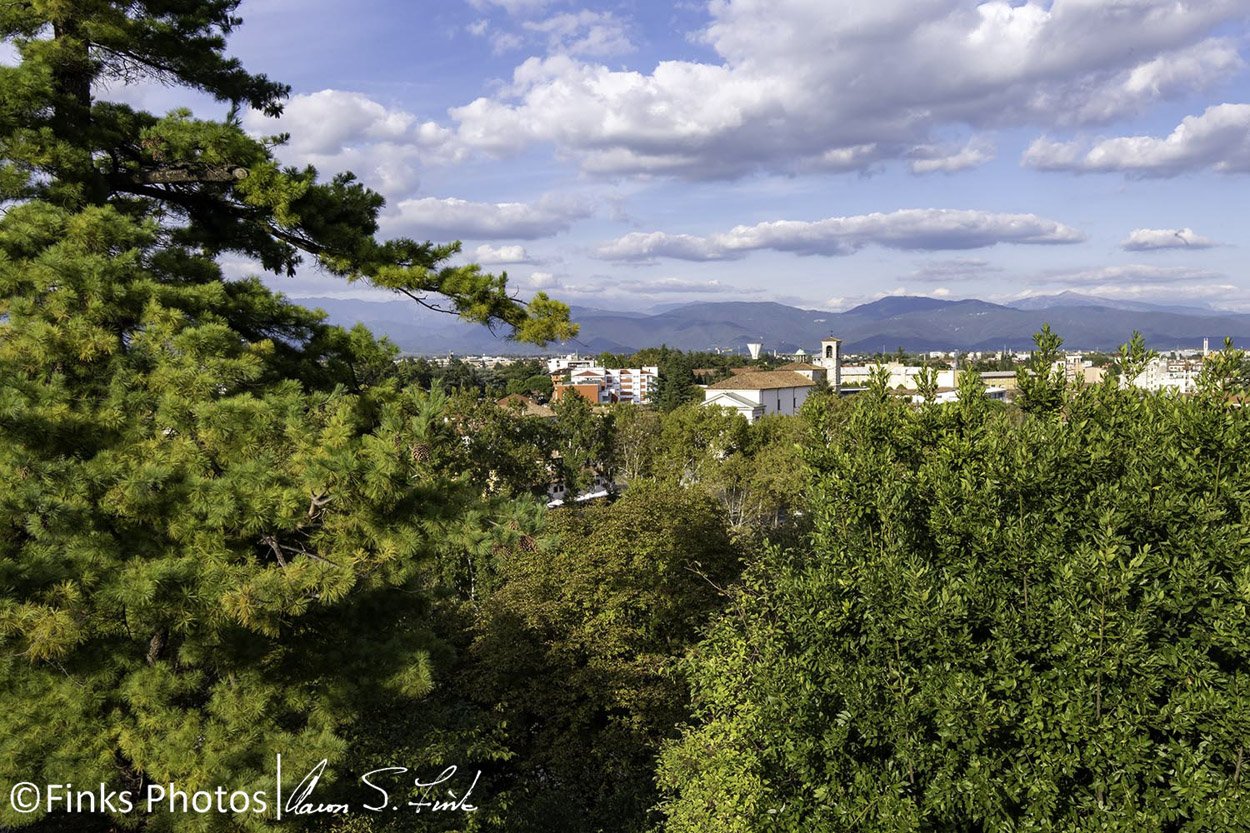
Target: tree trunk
(72, 75)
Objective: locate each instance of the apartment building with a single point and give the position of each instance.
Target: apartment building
(1179, 375)
(602, 385)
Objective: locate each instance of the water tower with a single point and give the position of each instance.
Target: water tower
(754, 347)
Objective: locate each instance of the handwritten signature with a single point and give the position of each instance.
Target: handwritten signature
(424, 795)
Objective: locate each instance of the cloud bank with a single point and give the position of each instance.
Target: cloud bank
(929, 229)
(1217, 140)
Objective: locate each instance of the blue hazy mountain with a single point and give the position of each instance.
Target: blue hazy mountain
(1077, 299)
(914, 323)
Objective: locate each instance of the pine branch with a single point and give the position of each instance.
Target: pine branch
(156, 646)
(273, 545)
(169, 175)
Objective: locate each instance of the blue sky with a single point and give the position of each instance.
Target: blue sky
(820, 153)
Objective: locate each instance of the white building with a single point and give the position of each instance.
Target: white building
(558, 492)
(902, 376)
(570, 362)
(755, 395)
(809, 371)
(625, 384)
(1177, 375)
(950, 394)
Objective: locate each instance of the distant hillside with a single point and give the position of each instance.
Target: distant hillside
(1076, 299)
(913, 323)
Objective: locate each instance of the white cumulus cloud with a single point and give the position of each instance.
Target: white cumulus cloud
(433, 218)
(339, 131)
(1219, 140)
(1151, 239)
(927, 159)
(543, 280)
(584, 32)
(488, 255)
(907, 229)
(802, 84)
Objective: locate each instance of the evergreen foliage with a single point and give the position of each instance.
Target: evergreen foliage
(214, 188)
(675, 383)
(221, 521)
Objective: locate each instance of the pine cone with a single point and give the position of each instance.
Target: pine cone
(420, 452)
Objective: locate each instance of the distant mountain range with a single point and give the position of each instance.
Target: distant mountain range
(1076, 299)
(914, 323)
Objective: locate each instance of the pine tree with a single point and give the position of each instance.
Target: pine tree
(675, 383)
(220, 518)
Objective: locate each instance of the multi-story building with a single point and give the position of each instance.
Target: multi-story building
(602, 385)
(1078, 370)
(570, 363)
(1179, 375)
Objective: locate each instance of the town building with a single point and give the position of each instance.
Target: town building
(603, 385)
(755, 395)
(809, 371)
(571, 362)
(901, 376)
(1177, 375)
(1005, 379)
(951, 394)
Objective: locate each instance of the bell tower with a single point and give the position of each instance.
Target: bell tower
(831, 360)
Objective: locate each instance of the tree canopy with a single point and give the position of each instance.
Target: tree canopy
(222, 521)
(1003, 622)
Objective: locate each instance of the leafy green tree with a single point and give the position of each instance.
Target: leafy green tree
(761, 488)
(540, 384)
(415, 372)
(1226, 371)
(216, 189)
(695, 440)
(635, 441)
(927, 384)
(1040, 384)
(576, 659)
(220, 518)
(1002, 623)
(502, 450)
(1131, 361)
(584, 442)
(457, 376)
